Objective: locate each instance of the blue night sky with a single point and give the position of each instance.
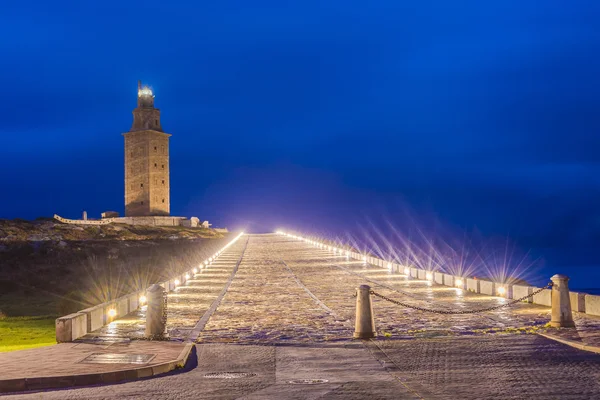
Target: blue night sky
(317, 115)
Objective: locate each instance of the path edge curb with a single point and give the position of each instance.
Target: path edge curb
(572, 343)
(67, 381)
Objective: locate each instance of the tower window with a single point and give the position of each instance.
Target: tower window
(163, 200)
(155, 164)
(142, 203)
(163, 182)
(141, 185)
(156, 123)
(155, 148)
(163, 166)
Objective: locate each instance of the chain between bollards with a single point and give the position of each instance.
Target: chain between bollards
(461, 311)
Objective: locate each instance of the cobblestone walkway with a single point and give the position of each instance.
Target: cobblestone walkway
(265, 304)
(495, 367)
(287, 290)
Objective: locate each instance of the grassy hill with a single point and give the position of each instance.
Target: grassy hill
(51, 268)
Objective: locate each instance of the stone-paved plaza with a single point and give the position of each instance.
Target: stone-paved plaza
(288, 315)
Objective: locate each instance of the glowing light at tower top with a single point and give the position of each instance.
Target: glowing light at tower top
(145, 91)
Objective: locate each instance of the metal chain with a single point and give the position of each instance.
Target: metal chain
(462, 311)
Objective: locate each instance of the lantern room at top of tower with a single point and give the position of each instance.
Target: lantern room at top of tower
(145, 91)
(145, 96)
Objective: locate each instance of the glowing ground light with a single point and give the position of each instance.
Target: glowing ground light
(206, 262)
(143, 299)
(187, 276)
(195, 270)
(112, 313)
(429, 276)
(406, 270)
(501, 291)
(347, 254)
(458, 283)
(177, 282)
(389, 266)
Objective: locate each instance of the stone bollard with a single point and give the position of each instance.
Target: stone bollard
(561, 303)
(155, 324)
(365, 323)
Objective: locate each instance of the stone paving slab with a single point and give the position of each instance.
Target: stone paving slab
(65, 359)
(350, 372)
(495, 367)
(510, 367)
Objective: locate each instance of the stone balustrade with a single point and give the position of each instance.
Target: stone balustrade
(580, 302)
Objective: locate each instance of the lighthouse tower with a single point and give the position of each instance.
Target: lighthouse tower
(146, 160)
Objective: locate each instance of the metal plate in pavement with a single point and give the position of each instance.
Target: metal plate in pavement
(229, 375)
(116, 358)
(307, 381)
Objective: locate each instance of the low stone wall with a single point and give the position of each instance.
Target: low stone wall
(592, 304)
(80, 221)
(544, 298)
(148, 221)
(473, 285)
(522, 291)
(577, 301)
(145, 221)
(487, 287)
(448, 280)
(71, 327)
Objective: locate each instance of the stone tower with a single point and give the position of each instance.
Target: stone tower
(146, 160)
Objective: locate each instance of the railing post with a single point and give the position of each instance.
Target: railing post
(365, 323)
(155, 323)
(561, 303)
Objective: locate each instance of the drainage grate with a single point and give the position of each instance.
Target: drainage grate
(308, 381)
(116, 358)
(229, 375)
(105, 340)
